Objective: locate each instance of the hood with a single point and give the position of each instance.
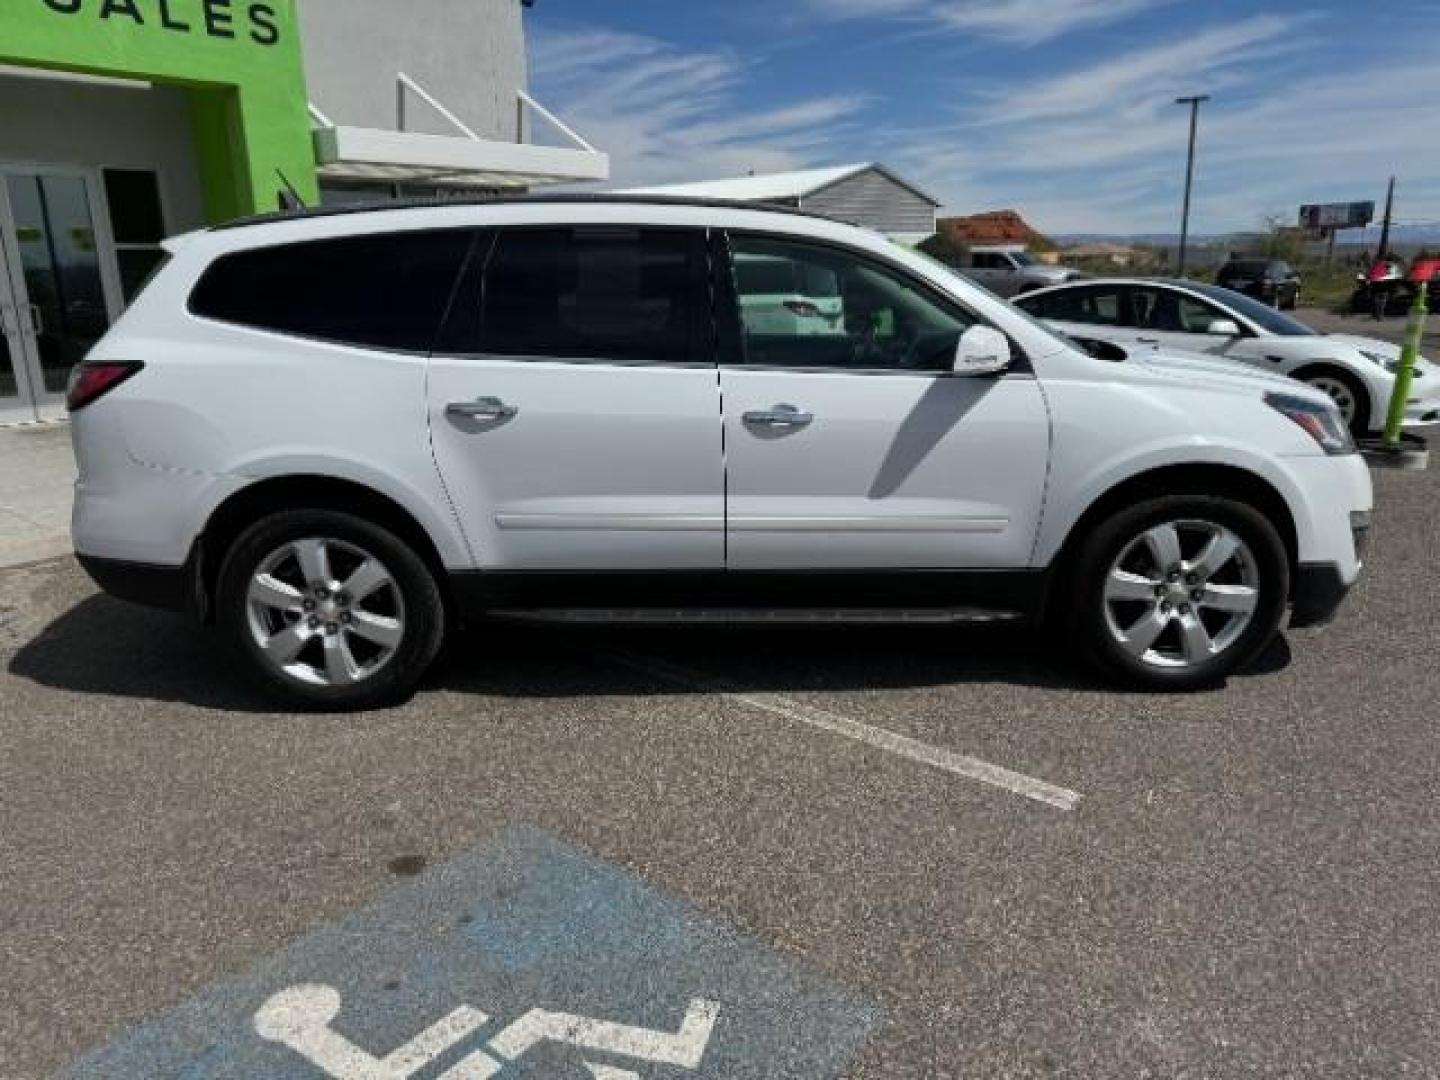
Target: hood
(1051, 273)
(1388, 350)
(1207, 370)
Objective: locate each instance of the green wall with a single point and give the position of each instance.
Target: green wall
(240, 59)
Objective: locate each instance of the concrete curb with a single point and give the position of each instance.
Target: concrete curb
(1411, 455)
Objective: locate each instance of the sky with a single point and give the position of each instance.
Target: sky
(1061, 109)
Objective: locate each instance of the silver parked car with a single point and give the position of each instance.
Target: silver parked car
(1009, 270)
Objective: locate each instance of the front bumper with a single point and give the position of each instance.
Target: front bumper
(1318, 592)
(1420, 412)
(1319, 589)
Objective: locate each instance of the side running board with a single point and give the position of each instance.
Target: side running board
(760, 616)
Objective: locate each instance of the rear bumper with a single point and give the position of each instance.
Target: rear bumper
(171, 588)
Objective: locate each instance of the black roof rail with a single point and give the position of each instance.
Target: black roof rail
(381, 205)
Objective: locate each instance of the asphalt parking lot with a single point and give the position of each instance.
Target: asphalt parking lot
(860, 853)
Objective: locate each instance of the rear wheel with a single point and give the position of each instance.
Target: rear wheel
(1177, 592)
(330, 611)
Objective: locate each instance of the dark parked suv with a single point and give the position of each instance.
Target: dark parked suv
(1273, 281)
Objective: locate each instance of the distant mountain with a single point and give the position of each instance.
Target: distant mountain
(1152, 239)
(1406, 236)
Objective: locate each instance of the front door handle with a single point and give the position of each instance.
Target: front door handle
(37, 319)
(485, 408)
(1148, 340)
(781, 416)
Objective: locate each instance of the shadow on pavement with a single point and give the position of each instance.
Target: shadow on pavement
(104, 646)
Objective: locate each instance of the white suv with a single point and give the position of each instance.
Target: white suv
(337, 434)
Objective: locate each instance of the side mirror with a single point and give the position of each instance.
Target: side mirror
(982, 350)
(1224, 328)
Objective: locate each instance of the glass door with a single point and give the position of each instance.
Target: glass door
(14, 386)
(61, 300)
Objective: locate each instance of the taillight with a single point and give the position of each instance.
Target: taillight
(91, 381)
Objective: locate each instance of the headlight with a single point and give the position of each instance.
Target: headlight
(1388, 363)
(1322, 423)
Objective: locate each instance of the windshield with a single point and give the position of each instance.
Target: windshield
(1022, 258)
(1261, 314)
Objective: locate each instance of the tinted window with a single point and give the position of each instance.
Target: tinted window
(621, 294)
(757, 275)
(1095, 305)
(1268, 318)
(389, 290)
(854, 313)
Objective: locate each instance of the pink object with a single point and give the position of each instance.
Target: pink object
(1424, 270)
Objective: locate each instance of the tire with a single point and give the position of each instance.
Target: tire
(284, 581)
(1339, 384)
(1109, 628)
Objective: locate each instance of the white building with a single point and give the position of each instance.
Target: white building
(866, 194)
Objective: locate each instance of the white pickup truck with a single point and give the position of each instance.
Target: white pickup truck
(1009, 270)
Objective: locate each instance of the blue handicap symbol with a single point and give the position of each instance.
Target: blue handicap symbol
(523, 958)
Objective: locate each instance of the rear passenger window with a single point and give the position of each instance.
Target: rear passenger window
(1098, 305)
(387, 291)
(624, 295)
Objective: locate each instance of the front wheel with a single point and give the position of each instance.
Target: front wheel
(1179, 591)
(329, 610)
(1346, 391)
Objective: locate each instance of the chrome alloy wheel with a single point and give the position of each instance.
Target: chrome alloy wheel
(1181, 593)
(1340, 393)
(324, 612)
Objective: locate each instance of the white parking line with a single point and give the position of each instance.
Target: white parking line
(780, 705)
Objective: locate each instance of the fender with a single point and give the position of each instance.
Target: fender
(1061, 514)
(428, 503)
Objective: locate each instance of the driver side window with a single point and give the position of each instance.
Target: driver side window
(811, 306)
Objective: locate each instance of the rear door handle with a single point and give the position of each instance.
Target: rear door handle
(781, 416)
(1148, 340)
(485, 408)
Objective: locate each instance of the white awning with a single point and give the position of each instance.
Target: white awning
(368, 154)
(460, 161)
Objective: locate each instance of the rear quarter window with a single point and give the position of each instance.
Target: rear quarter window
(386, 290)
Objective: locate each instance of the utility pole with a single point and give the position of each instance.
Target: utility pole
(1194, 102)
(1384, 248)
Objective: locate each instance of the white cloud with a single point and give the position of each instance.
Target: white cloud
(1018, 22)
(1094, 146)
(668, 114)
(1153, 73)
(1029, 22)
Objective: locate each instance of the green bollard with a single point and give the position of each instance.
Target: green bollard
(1405, 376)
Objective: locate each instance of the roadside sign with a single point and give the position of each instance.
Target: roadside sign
(1320, 219)
(522, 959)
